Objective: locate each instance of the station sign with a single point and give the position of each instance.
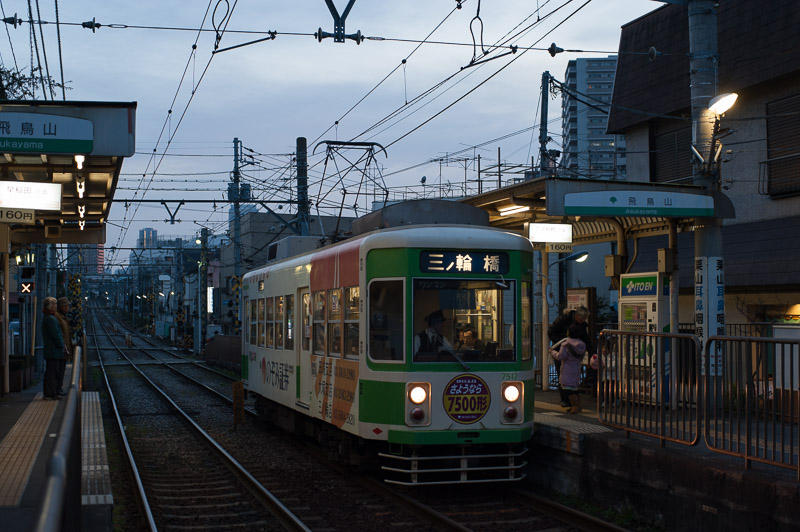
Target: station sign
(555, 233)
(30, 195)
(638, 203)
(468, 261)
(17, 216)
(44, 133)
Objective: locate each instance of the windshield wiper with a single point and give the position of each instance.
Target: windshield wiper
(458, 359)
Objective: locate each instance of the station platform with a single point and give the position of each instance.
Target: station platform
(29, 426)
(675, 486)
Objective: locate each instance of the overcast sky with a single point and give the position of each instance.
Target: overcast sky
(270, 93)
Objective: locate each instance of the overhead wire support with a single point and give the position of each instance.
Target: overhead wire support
(338, 25)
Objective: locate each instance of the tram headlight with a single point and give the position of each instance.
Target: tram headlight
(511, 393)
(417, 395)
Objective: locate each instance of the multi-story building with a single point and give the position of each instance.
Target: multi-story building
(86, 259)
(587, 150)
(148, 238)
(760, 137)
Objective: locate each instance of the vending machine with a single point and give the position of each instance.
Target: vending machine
(644, 307)
(644, 302)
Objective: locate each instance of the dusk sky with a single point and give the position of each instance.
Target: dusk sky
(268, 94)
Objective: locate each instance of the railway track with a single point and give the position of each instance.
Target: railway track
(185, 479)
(304, 484)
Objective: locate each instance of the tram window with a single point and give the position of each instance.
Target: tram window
(253, 321)
(288, 322)
(525, 352)
(279, 322)
(351, 301)
(306, 322)
(246, 320)
(319, 323)
(351, 314)
(270, 327)
(335, 321)
(386, 320)
(261, 318)
(471, 319)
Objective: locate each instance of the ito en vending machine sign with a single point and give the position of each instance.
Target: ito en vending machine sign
(466, 399)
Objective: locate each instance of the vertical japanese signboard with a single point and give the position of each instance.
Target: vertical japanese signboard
(709, 308)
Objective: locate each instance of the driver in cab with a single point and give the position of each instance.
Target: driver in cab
(431, 339)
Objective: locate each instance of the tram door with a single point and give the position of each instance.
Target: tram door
(304, 345)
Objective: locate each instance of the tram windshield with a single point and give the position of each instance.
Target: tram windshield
(469, 320)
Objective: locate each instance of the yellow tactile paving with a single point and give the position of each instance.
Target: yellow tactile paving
(19, 449)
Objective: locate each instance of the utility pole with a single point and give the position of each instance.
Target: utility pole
(708, 273)
(202, 296)
(499, 172)
(302, 186)
(234, 195)
(543, 123)
(480, 184)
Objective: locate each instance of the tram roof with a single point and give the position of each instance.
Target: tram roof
(69, 153)
(595, 208)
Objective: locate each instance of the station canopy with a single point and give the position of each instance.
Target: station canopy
(598, 210)
(59, 167)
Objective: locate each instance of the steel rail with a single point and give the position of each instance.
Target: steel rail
(174, 354)
(283, 513)
(571, 516)
(171, 367)
(134, 468)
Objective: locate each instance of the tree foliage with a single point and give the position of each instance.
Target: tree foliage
(19, 85)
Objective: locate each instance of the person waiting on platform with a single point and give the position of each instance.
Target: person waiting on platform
(62, 310)
(431, 340)
(570, 354)
(53, 348)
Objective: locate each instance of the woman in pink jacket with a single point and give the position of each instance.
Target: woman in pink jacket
(570, 354)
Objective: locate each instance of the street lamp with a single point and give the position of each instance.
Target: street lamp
(578, 256)
(721, 103)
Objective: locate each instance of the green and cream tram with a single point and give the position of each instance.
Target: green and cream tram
(413, 342)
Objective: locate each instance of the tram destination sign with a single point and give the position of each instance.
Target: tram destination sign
(467, 261)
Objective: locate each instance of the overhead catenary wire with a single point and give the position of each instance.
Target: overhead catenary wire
(60, 59)
(510, 62)
(44, 55)
(8, 34)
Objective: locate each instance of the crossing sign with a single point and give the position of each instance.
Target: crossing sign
(26, 288)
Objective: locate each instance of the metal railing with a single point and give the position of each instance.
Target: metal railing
(752, 400)
(762, 329)
(648, 384)
(60, 508)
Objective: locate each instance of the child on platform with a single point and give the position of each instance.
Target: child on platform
(570, 354)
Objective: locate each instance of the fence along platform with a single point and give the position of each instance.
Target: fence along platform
(96, 497)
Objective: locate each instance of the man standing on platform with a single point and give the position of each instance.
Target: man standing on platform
(66, 333)
(53, 348)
